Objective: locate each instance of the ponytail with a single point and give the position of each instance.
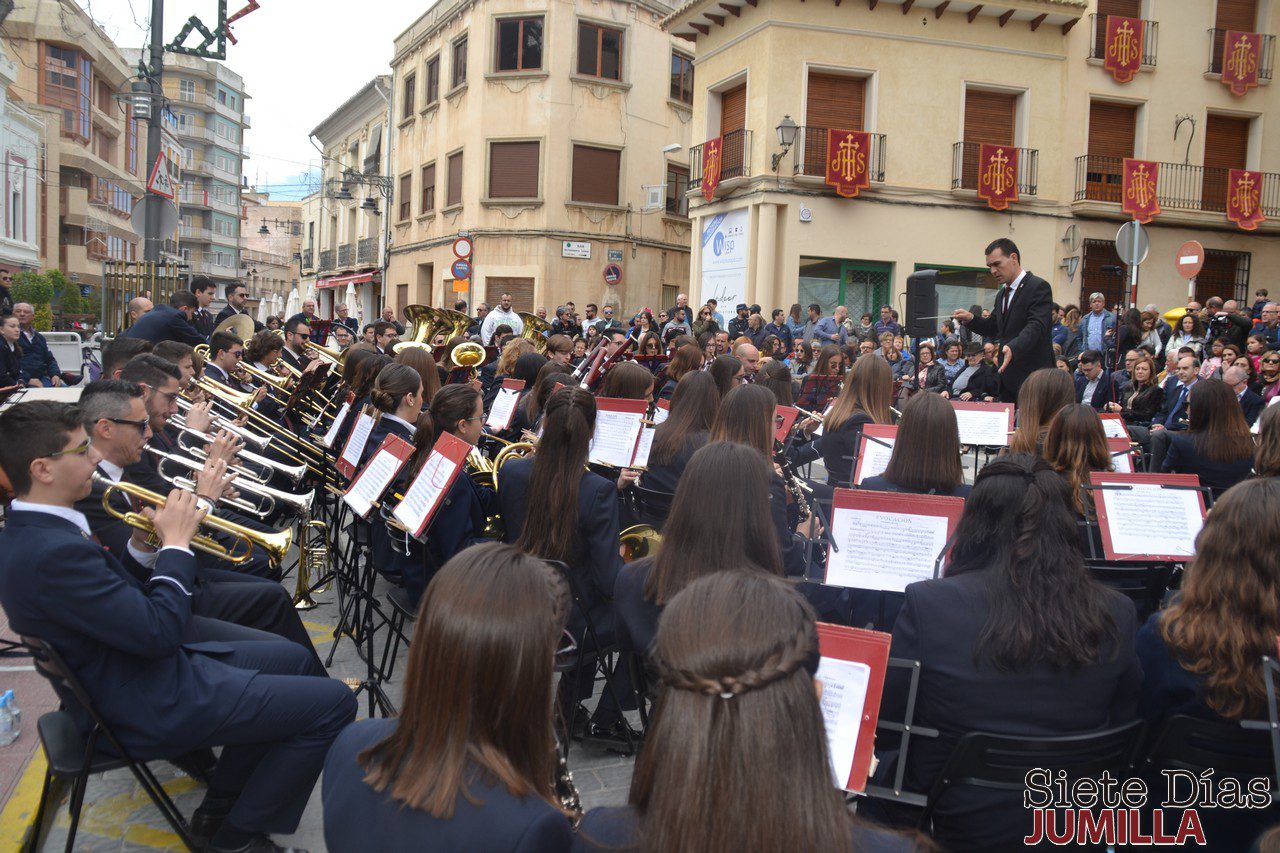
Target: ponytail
(394, 383)
(567, 426)
(451, 404)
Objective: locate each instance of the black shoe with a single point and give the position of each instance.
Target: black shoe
(260, 844)
(198, 764)
(613, 736)
(203, 826)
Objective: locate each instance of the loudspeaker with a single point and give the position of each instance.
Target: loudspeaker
(922, 302)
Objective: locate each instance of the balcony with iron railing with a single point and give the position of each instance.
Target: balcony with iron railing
(1180, 187)
(191, 233)
(1266, 54)
(307, 258)
(346, 254)
(811, 154)
(964, 167)
(326, 261)
(1098, 39)
(367, 251)
(735, 158)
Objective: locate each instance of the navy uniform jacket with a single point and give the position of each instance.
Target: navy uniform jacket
(358, 818)
(882, 483)
(122, 639)
(1184, 458)
(228, 311)
(1026, 328)
(837, 447)
(1172, 414)
(597, 561)
(164, 323)
(1251, 403)
(665, 478)
(939, 626)
(1104, 392)
(11, 370)
(204, 322)
(37, 359)
(639, 615)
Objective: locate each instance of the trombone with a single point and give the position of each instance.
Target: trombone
(269, 498)
(249, 437)
(267, 466)
(275, 545)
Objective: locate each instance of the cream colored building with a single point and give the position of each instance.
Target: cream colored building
(930, 80)
(68, 72)
(270, 246)
(22, 139)
(537, 131)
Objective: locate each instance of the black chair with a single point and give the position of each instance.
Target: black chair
(1242, 750)
(1146, 584)
(1001, 762)
(71, 756)
(651, 506)
(402, 614)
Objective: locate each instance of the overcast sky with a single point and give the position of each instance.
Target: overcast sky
(300, 60)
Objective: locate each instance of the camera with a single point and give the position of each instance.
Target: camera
(1218, 324)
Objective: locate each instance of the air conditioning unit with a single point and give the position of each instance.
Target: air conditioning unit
(655, 198)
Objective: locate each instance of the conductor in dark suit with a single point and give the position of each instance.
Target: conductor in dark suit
(170, 322)
(1021, 322)
(268, 703)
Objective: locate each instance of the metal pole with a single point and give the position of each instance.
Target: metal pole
(152, 238)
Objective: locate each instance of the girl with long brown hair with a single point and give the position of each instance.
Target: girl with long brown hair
(421, 360)
(865, 399)
(737, 653)
(469, 763)
(1077, 446)
(1216, 445)
(556, 509)
(628, 381)
(727, 371)
(687, 359)
(1041, 397)
(688, 426)
(358, 374)
(926, 452)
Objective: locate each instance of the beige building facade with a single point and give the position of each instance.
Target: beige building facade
(931, 80)
(270, 247)
(554, 135)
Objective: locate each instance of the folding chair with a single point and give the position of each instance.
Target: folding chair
(1001, 762)
(71, 756)
(651, 506)
(902, 731)
(1242, 750)
(402, 613)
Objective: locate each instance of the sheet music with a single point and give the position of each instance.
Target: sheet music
(503, 409)
(372, 482)
(425, 490)
(844, 693)
(641, 459)
(332, 434)
(1123, 462)
(359, 438)
(818, 430)
(661, 412)
(1148, 519)
(873, 457)
(614, 441)
(985, 428)
(1114, 427)
(884, 550)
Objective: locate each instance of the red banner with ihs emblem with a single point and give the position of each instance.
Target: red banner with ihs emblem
(1241, 55)
(1244, 198)
(1123, 48)
(1141, 177)
(848, 161)
(712, 161)
(998, 175)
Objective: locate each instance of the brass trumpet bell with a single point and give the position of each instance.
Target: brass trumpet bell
(638, 541)
(534, 331)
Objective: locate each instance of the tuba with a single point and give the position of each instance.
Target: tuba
(534, 331)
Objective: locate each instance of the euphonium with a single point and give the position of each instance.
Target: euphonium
(534, 331)
(313, 561)
(638, 541)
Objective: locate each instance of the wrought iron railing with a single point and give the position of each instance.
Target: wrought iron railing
(1266, 54)
(326, 260)
(367, 251)
(811, 154)
(735, 158)
(1180, 186)
(964, 167)
(1098, 37)
(346, 254)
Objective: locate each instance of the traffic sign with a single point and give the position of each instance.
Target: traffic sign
(168, 213)
(462, 248)
(1132, 243)
(161, 182)
(613, 274)
(461, 269)
(1190, 259)
(460, 285)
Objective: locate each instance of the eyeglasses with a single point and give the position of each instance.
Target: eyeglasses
(142, 425)
(236, 353)
(1271, 361)
(79, 450)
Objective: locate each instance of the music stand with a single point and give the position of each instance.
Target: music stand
(905, 730)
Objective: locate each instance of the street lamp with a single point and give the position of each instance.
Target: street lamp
(786, 130)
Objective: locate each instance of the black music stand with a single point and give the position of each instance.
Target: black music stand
(905, 731)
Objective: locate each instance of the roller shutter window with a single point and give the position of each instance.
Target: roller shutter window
(595, 175)
(454, 190)
(1241, 15)
(1226, 146)
(1122, 8)
(521, 290)
(1112, 129)
(988, 117)
(513, 170)
(832, 101)
(733, 118)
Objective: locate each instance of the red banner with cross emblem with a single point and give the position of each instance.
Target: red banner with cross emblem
(1241, 55)
(848, 161)
(998, 175)
(1123, 49)
(1139, 190)
(712, 161)
(1244, 198)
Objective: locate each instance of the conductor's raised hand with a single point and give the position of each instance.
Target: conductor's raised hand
(1006, 358)
(962, 315)
(177, 521)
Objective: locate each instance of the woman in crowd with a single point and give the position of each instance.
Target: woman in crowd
(1187, 332)
(1129, 334)
(1269, 375)
(928, 375)
(1216, 445)
(580, 347)
(864, 399)
(1151, 323)
(1042, 396)
(771, 349)
(866, 327)
(823, 381)
(746, 417)
(688, 425)
(993, 658)
(1139, 402)
(926, 452)
(469, 762)
(1073, 345)
(1202, 655)
(641, 326)
(727, 372)
(650, 346)
(705, 322)
(556, 509)
(1075, 447)
(1266, 462)
(687, 359)
(736, 653)
(802, 361)
(897, 360)
(263, 351)
(701, 537)
(628, 381)
(11, 373)
(954, 361)
(559, 349)
(776, 376)
(419, 358)
(1062, 364)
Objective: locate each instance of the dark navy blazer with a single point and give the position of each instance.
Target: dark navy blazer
(358, 818)
(12, 371)
(639, 615)
(882, 483)
(164, 323)
(1104, 392)
(665, 478)
(1184, 458)
(38, 361)
(122, 639)
(837, 447)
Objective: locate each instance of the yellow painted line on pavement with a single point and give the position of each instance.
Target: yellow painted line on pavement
(18, 813)
(116, 817)
(320, 632)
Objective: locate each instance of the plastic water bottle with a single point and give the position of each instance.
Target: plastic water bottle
(8, 730)
(14, 709)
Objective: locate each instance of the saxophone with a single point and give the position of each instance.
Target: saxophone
(566, 791)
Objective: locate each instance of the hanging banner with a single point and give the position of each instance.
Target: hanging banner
(1244, 198)
(1139, 192)
(998, 175)
(712, 160)
(848, 161)
(1123, 48)
(1241, 55)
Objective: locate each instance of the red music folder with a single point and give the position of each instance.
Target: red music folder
(1145, 522)
(874, 449)
(617, 433)
(661, 410)
(1121, 454)
(503, 409)
(984, 424)
(907, 533)
(784, 417)
(852, 667)
(432, 483)
(1114, 426)
(377, 474)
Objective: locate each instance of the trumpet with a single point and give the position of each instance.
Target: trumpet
(278, 383)
(293, 473)
(275, 544)
(246, 435)
(268, 496)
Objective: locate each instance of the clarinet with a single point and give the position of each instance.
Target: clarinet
(791, 481)
(567, 791)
